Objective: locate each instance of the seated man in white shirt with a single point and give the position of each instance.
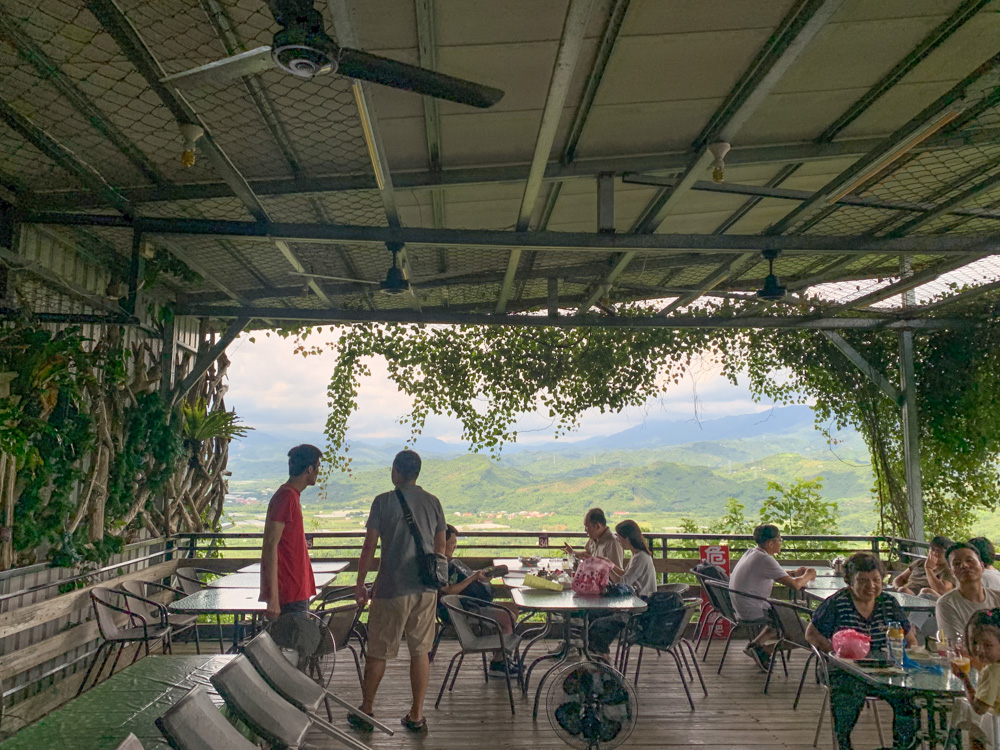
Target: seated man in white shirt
(954, 609)
(987, 553)
(755, 573)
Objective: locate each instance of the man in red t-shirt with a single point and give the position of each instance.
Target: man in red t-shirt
(286, 577)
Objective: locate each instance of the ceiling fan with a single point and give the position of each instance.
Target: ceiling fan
(395, 282)
(302, 48)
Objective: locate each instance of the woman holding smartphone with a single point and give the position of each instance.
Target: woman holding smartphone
(464, 581)
(639, 574)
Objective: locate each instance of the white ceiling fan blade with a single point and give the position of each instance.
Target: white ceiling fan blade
(332, 278)
(222, 71)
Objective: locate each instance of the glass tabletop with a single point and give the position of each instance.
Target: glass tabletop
(318, 566)
(129, 701)
(219, 601)
(252, 581)
(906, 601)
(821, 572)
(570, 601)
(920, 681)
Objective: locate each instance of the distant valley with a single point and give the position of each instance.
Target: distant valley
(660, 471)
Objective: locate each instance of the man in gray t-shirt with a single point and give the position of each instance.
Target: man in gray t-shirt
(400, 603)
(755, 573)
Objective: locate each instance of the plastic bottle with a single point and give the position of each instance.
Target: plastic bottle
(894, 642)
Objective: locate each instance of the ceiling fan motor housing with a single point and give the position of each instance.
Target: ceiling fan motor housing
(304, 51)
(395, 281)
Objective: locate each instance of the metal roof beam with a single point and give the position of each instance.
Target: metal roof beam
(909, 282)
(427, 55)
(48, 70)
(673, 161)
(885, 158)
(117, 24)
(535, 240)
(347, 36)
(797, 322)
(866, 367)
(937, 36)
(918, 54)
(570, 43)
(798, 28)
(734, 267)
(65, 158)
(769, 191)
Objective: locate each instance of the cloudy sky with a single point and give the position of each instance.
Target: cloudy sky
(283, 394)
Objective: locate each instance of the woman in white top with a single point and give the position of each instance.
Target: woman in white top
(639, 574)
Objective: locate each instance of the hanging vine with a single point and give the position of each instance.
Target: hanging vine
(487, 377)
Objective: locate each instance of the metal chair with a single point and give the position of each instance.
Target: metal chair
(178, 623)
(671, 639)
(787, 621)
(189, 581)
(196, 723)
(493, 639)
(672, 588)
(341, 619)
(270, 716)
(139, 630)
(130, 743)
(307, 635)
(719, 597)
(824, 677)
(294, 686)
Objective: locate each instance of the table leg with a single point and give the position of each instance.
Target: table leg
(546, 629)
(562, 659)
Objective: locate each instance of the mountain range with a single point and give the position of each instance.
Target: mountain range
(664, 467)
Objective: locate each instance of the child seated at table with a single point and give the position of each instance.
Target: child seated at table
(978, 712)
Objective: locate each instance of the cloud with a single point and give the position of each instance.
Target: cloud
(281, 393)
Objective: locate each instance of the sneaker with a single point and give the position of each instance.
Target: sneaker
(497, 670)
(759, 656)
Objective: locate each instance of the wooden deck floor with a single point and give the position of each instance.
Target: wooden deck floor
(736, 714)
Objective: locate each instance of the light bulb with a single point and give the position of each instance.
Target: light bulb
(719, 151)
(191, 133)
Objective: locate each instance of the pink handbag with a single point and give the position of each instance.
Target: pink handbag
(592, 577)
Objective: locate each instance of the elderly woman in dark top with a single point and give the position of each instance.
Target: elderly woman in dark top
(864, 607)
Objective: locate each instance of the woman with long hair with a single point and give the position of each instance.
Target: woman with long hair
(639, 574)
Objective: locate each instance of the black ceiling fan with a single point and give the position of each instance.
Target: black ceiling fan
(302, 48)
(395, 282)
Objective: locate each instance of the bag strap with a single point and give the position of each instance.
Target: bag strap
(417, 537)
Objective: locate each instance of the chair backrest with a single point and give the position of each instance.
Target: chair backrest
(190, 579)
(718, 597)
(195, 723)
(787, 618)
(138, 588)
(340, 622)
(664, 630)
(291, 684)
(103, 600)
(676, 588)
(302, 632)
(130, 743)
(460, 619)
(248, 695)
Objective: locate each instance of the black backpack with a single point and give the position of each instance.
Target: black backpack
(657, 626)
(711, 571)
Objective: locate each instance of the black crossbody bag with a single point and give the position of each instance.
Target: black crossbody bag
(433, 568)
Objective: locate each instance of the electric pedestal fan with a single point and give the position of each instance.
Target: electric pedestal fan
(591, 706)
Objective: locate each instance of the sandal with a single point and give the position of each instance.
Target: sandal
(355, 720)
(414, 726)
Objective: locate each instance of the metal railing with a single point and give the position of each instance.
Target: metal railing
(347, 544)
